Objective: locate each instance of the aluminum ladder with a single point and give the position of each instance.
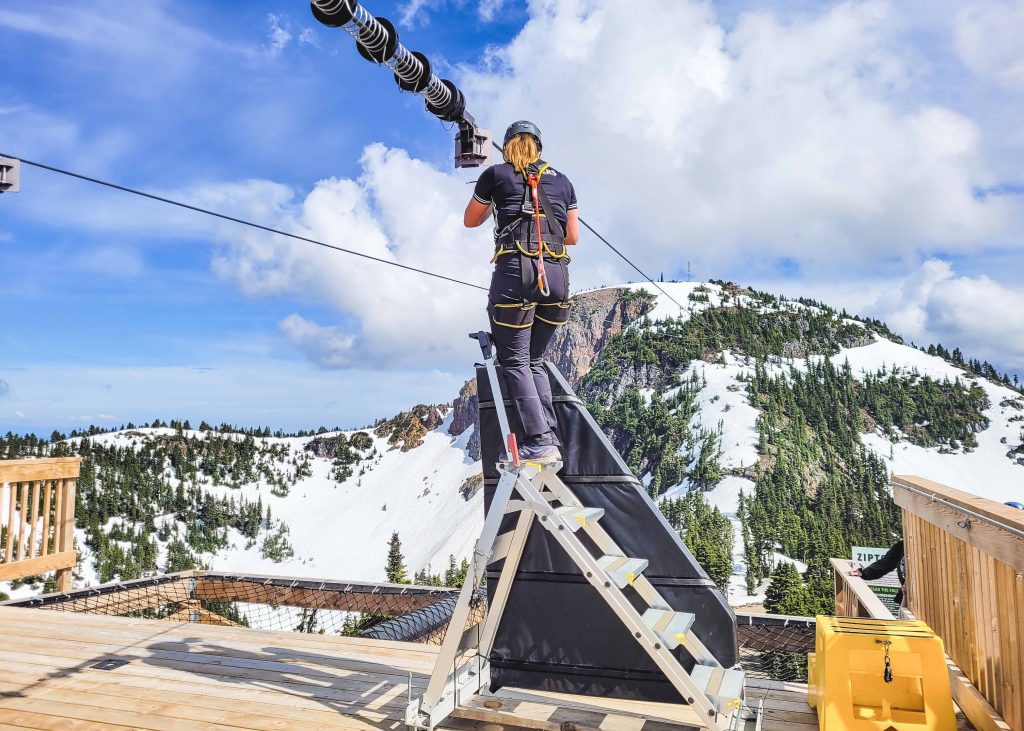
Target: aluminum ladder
(538, 496)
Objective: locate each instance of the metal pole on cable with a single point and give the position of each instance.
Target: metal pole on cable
(377, 41)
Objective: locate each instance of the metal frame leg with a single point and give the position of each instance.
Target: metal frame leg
(508, 574)
(421, 711)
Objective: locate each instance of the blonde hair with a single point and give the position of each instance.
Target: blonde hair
(521, 150)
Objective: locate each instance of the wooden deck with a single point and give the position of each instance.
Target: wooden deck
(186, 676)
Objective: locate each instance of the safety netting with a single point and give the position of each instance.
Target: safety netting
(775, 647)
(266, 603)
(770, 646)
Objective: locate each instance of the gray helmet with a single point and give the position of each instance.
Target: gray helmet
(523, 127)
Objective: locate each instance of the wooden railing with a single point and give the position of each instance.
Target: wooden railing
(37, 518)
(965, 579)
(854, 597)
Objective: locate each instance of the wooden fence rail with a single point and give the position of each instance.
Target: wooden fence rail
(965, 579)
(37, 518)
(854, 597)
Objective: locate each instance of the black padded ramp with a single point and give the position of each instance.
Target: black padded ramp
(556, 632)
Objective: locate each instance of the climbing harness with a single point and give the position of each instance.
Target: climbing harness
(525, 236)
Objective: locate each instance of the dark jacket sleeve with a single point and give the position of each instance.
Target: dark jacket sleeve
(886, 564)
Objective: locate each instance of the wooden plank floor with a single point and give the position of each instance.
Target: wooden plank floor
(187, 676)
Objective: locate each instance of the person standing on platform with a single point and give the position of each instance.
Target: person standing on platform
(534, 207)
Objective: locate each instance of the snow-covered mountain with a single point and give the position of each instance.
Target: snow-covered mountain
(419, 474)
(341, 529)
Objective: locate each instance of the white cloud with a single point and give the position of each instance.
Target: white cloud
(731, 147)
(979, 315)
(489, 9)
(777, 138)
(416, 10)
(309, 37)
(150, 44)
(401, 210)
(988, 37)
(278, 37)
(111, 260)
(328, 347)
(268, 391)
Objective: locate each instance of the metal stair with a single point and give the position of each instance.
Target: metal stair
(539, 498)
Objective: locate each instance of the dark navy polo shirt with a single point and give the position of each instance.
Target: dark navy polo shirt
(503, 187)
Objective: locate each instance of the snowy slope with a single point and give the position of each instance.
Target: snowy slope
(986, 471)
(341, 531)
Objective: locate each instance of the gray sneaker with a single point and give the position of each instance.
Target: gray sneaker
(543, 454)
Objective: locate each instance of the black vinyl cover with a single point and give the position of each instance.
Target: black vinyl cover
(556, 632)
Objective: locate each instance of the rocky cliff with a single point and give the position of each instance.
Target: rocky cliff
(596, 317)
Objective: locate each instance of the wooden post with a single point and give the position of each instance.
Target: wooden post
(965, 572)
(67, 532)
(58, 512)
(46, 550)
(19, 553)
(8, 550)
(34, 515)
(854, 597)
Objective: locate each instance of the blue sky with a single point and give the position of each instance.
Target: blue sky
(866, 154)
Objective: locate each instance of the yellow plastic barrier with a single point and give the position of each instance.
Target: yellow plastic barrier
(877, 674)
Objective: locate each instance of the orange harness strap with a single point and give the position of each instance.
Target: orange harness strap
(542, 278)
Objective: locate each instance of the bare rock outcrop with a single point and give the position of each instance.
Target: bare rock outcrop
(466, 414)
(406, 430)
(596, 318)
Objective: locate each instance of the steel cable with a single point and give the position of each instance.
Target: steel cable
(242, 221)
(316, 242)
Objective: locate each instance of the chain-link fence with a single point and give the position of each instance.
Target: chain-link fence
(775, 647)
(771, 646)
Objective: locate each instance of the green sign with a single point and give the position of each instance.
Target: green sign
(887, 586)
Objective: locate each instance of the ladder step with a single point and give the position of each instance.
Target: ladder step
(622, 571)
(670, 626)
(722, 686)
(578, 517)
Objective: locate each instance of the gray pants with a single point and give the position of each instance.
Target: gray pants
(522, 324)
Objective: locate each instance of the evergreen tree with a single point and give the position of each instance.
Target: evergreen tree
(395, 567)
(786, 592)
(455, 576)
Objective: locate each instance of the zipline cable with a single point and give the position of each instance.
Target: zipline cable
(242, 221)
(306, 239)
